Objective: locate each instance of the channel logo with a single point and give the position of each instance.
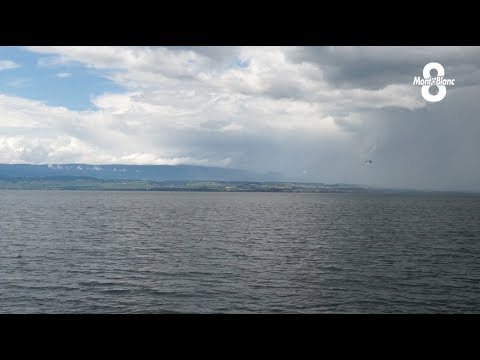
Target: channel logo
(428, 81)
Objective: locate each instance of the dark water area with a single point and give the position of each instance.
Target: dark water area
(179, 252)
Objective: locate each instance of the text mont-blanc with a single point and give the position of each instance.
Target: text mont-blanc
(431, 81)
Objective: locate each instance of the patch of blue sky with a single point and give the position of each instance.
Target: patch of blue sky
(238, 64)
(242, 63)
(70, 85)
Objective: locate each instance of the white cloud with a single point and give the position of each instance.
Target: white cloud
(63, 75)
(7, 65)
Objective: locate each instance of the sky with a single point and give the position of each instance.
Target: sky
(313, 114)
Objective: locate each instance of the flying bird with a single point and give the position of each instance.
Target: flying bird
(368, 161)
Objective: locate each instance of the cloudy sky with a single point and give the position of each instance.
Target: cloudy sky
(310, 113)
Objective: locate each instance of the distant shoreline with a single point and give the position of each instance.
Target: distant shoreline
(75, 183)
(184, 178)
(211, 187)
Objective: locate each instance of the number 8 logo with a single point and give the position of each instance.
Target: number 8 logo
(442, 90)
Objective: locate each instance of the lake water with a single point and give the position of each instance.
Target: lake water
(186, 252)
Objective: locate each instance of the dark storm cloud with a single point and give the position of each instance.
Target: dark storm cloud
(433, 148)
(376, 67)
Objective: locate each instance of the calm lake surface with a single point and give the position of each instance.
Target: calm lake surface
(168, 252)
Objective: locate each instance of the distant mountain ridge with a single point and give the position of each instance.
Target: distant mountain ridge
(136, 172)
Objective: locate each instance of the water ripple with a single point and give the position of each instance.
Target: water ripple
(173, 252)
